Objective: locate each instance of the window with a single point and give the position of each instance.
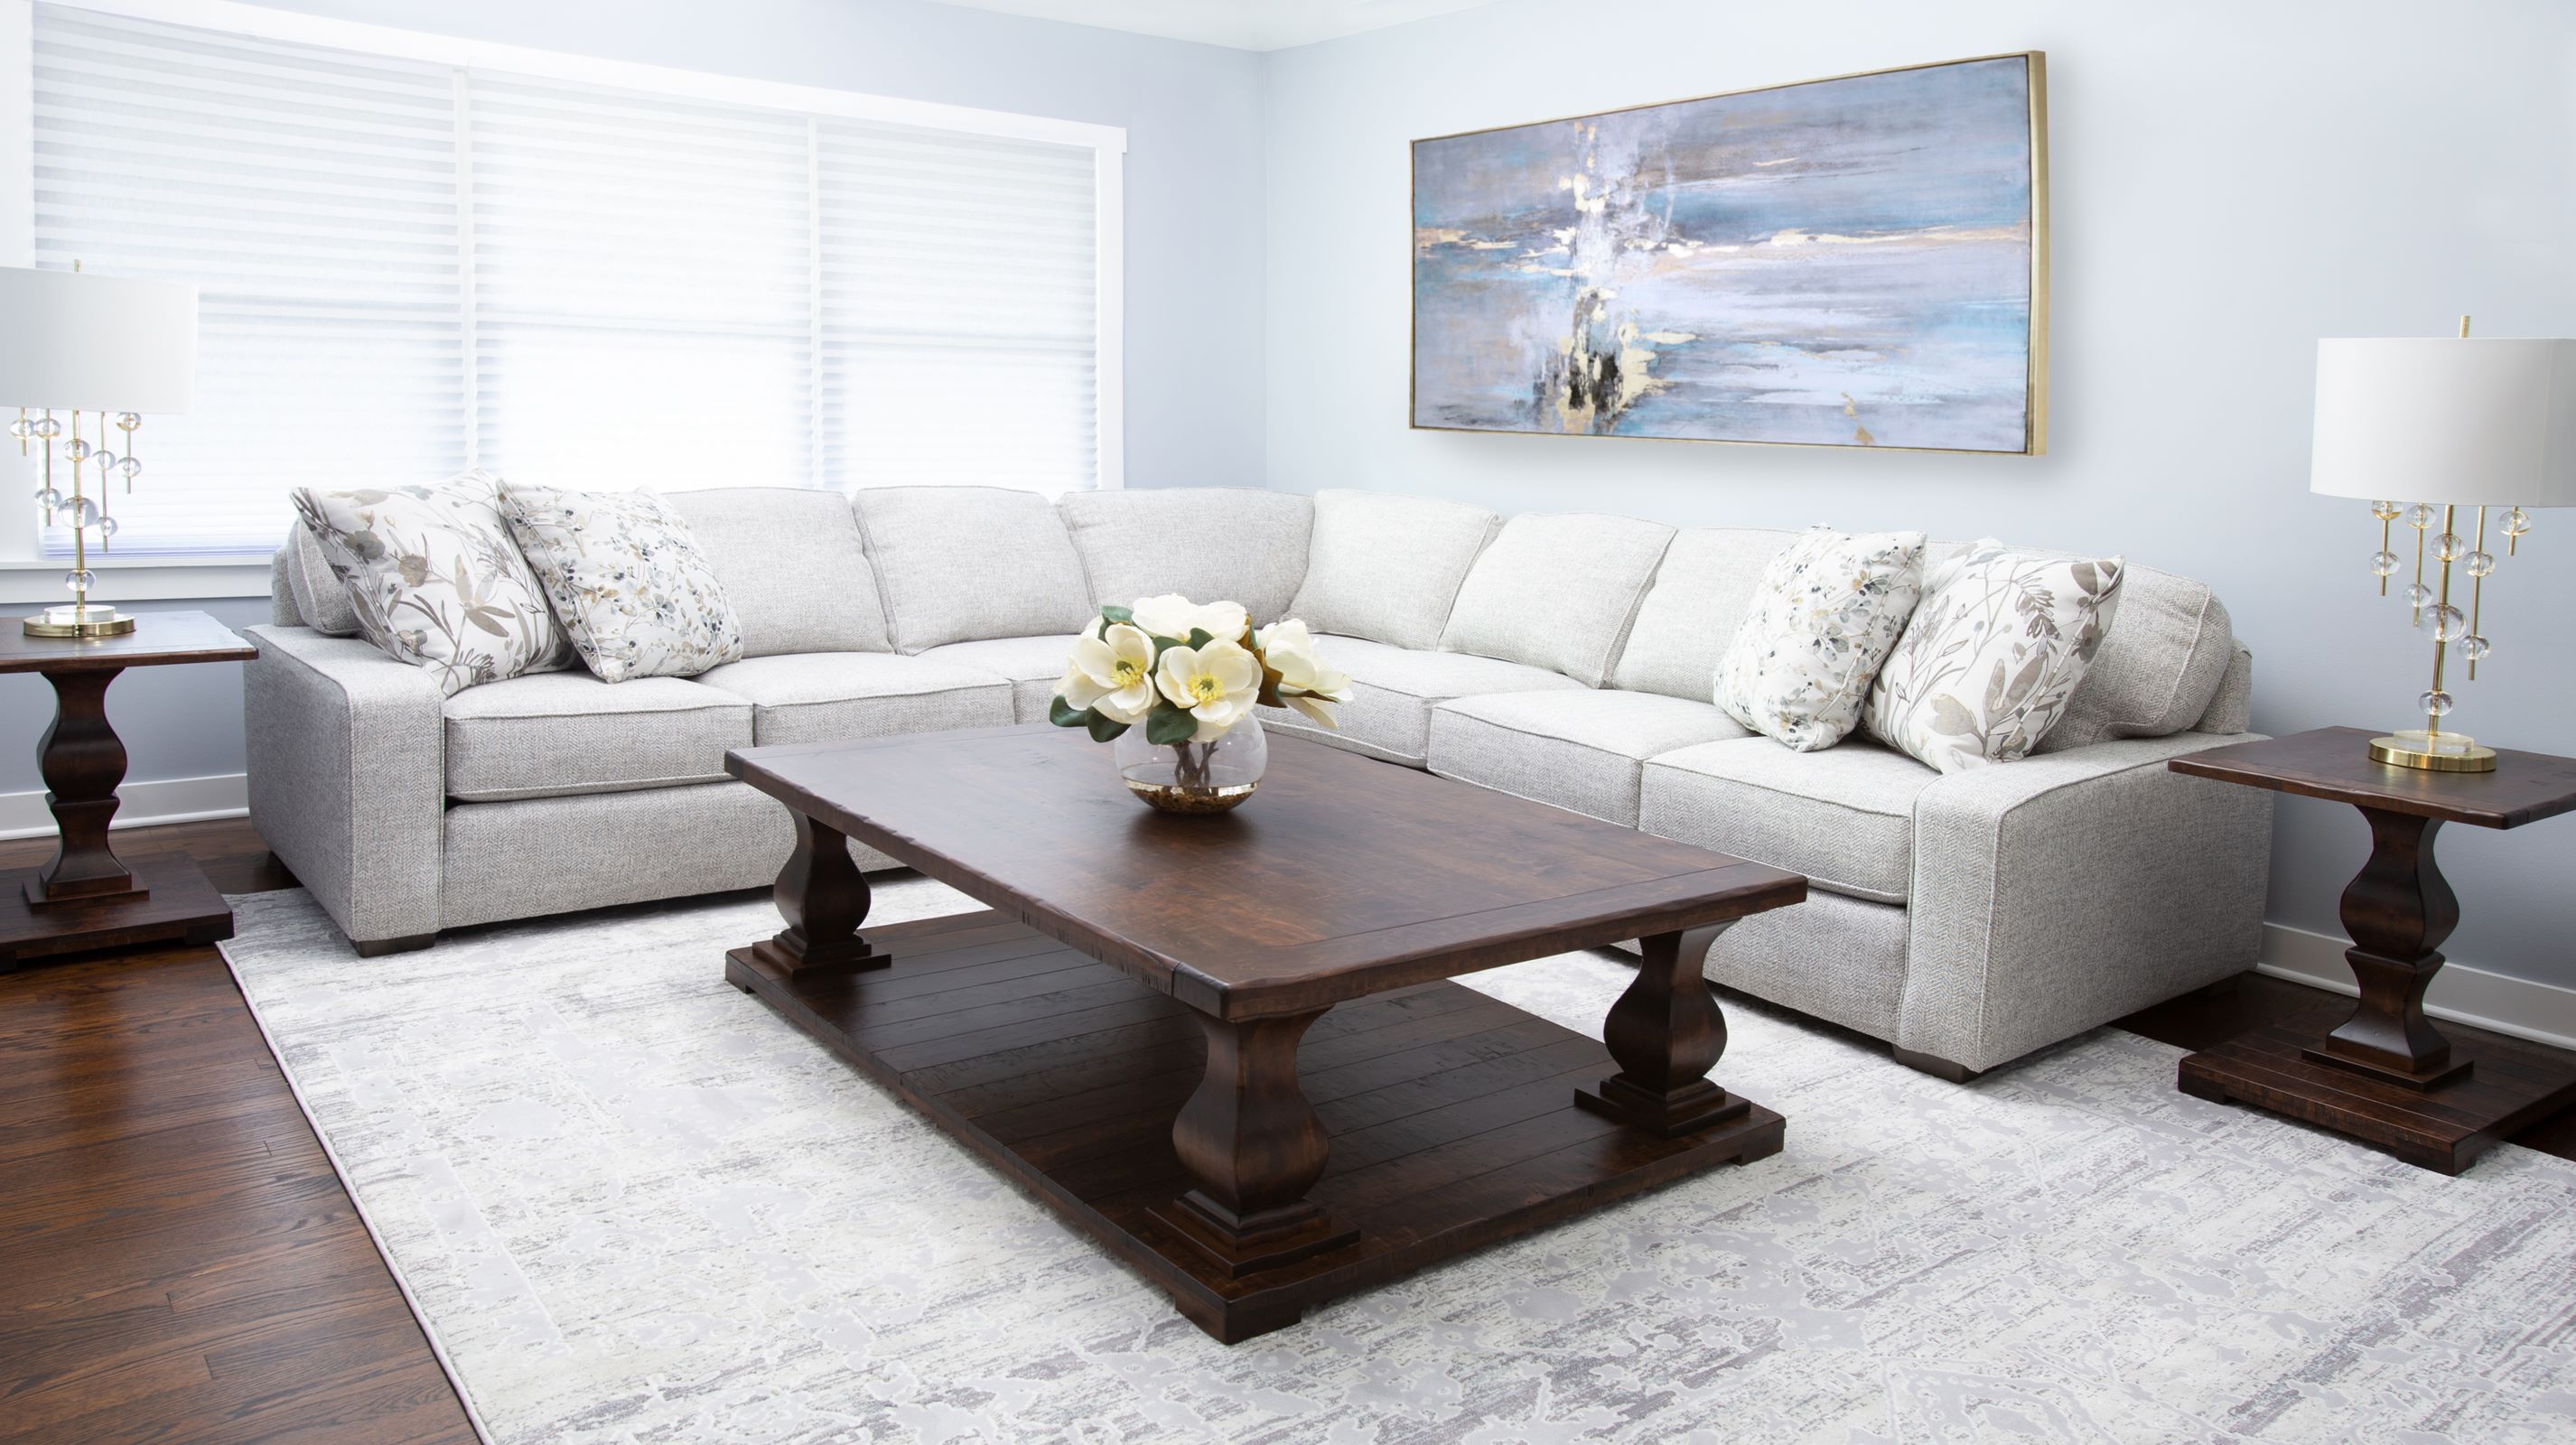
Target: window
(413, 258)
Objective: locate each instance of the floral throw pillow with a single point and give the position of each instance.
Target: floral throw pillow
(435, 579)
(627, 581)
(1823, 620)
(1992, 656)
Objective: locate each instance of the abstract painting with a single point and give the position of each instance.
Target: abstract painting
(1850, 262)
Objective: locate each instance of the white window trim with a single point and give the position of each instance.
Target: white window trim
(28, 576)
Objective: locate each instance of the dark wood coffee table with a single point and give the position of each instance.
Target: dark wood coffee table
(2386, 1076)
(1227, 1046)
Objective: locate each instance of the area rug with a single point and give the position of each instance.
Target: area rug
(631, 1205)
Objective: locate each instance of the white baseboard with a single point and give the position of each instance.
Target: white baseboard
(169, 800)
(2541, 1012)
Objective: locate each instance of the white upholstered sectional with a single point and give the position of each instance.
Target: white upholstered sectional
(1967, 918)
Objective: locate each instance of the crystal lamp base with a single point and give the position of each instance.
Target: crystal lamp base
(79, 619)
(2440, 752)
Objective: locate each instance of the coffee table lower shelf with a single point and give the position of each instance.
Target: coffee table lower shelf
(1452, 1114)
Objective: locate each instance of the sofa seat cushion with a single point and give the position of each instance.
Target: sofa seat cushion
(1034, 666)
(1394, 689)
(1844, 816)
(818, 697)
(1582, 749)
(549, 734)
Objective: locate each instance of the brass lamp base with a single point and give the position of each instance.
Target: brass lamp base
(79, 620)
(2433, 752)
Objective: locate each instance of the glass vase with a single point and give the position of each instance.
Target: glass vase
(1212, 777)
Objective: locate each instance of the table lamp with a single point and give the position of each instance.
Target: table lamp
(2448, 425)
(90, 344)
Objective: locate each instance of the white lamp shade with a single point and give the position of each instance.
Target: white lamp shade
(96, 343)
(2461, 422)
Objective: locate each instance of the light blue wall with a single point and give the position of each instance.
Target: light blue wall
(2231, 181)
(1194, 236)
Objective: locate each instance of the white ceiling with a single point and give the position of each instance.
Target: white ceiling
(1243, 24)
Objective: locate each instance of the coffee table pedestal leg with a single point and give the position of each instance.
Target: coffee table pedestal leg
(1253, 1146)
(824, 899)
(1666, 1032)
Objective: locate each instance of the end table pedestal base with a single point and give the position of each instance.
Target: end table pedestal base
(174, 904)
(2443, 1129)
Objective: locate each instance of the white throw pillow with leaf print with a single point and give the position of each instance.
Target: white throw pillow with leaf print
(1827, 613)
(627, 582)
(435, 579)
(1992, 656)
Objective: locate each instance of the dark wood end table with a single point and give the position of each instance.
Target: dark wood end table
(2387, 1076)
(1229, 1047)
(87, 897)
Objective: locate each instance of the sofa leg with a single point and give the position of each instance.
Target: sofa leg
(379, 947)
(1936, 1066)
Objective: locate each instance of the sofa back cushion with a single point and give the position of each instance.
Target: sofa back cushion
(2168, 649)
(1556, 590)
(319, 599)
(790, 562)
(1205, 543)
(1699, 597)
(1386, 567)
(961, 564)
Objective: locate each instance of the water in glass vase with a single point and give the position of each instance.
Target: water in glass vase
(1211, 777)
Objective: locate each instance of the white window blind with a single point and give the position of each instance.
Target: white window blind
(311, 197)
(408, 267)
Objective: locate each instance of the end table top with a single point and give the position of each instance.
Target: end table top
(1343, 877)
(159, 639)
(2335, 764)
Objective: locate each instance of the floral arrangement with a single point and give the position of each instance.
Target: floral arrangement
(1188, 673)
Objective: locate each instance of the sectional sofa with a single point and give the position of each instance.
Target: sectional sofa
(1568, 658)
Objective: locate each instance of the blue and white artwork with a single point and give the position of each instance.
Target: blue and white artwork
(1842, 263)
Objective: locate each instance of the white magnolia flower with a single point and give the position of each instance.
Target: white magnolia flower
(1174, 616)
(1306, 682)
(1216, 683)
(1114, 672)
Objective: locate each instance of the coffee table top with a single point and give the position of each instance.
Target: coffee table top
(2335, 764)
(1343, 877)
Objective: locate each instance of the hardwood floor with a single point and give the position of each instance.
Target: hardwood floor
(178, 1262)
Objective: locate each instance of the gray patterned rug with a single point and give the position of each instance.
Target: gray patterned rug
(630, 1205)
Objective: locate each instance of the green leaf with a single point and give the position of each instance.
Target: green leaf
(1103, 727)
(1168, 724)
(1117, 614)
(1201, 637)
(1065, 716)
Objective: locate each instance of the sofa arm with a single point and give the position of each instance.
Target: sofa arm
(348, 777)
(2062, 891)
